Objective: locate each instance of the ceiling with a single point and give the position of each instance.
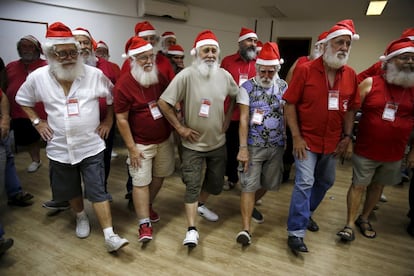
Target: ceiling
(306, 9)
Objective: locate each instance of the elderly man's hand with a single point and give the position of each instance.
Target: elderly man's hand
(188, 134)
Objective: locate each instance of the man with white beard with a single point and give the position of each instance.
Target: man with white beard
(70, 92)
(241, 66)
(202, 88)
(262, 133)
(387, 115)
(150, 144)
(321, 102)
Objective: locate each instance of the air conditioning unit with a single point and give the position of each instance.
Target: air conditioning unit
(165, 9)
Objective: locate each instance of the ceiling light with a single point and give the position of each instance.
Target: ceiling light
(376, 7)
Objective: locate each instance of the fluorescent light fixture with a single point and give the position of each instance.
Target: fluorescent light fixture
(376, 7)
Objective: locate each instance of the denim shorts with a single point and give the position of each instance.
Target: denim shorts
(265, 169)
(66, 179)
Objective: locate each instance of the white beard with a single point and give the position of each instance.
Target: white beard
(90, 58)
(143, 77)
(206, 68)
(335, 60)
(66, 72)
(249, 53)
(399, 77)
(266, 82)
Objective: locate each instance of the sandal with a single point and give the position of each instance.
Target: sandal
(346, 234)
(366, 228)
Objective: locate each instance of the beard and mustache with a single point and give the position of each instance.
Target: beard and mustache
(143, 77)
(248, 53)
(88, 57)
(206, 67)
(266, 82)
(67, 70)
(333, 59)
(393, 75)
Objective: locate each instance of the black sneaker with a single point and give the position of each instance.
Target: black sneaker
(296, 244)
(56, 205)
(244, 238)
(5, 245)
(257, 216)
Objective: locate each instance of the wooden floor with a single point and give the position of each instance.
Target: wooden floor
(48, 245)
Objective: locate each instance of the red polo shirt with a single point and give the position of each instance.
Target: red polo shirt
(308, 91)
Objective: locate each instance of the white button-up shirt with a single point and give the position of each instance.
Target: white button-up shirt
(74, 125)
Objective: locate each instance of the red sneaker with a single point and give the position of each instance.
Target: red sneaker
(145, 232)
(154, 217)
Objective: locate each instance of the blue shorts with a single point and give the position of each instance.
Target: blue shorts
(66, 179)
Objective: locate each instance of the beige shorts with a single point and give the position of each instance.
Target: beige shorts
(158, 161)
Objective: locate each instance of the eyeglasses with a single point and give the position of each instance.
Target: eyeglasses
(145, 58)
(66, 54)
(406, 58)
(270, 72)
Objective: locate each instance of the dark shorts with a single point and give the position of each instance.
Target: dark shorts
(24, 132)
(192, 172)
(66, 179)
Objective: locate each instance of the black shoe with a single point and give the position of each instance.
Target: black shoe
(296, 244)
(128, 195)
(56, 205)
(5, 245)
(410, 229)
(257, 216)
(312, 225)
(21, 199)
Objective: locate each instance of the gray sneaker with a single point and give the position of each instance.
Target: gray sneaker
(82, 227)
(115, 242)
(56, 205)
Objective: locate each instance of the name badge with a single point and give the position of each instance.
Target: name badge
(72, 106)
(333, 100)
(258, 115)
(389, 112)
(204, 108)
(243, 78)
(155, 111)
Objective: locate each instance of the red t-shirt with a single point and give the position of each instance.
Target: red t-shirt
(379, 139)
(130, 96)
(17, 73)
(374, 70)
(108, 69)
(308, 91)
(235, 65)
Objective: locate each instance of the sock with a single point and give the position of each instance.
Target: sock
(144, 220)
(108, 231)
(200, 204)
(192, 228)
(81, 214)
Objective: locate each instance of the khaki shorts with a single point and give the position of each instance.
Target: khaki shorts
(158, 161)
(366, 171)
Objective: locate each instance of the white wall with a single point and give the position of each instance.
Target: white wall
(115, 29)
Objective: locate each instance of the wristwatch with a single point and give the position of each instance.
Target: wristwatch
(35, 122)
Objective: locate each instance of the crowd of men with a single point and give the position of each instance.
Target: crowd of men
(230, 121)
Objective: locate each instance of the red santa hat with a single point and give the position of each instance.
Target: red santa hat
(246, 33)
(409, 33)
(168, 34)
(206, 37)
(321, 38)
(175, 50)
(33, 40)
(144, 28)
(85, 32)
(101, 44)
(344, 27)
(59, 33)
(137, 45)
(259, 46)
(269, 55)
(398, 47)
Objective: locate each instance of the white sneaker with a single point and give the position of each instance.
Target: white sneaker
(82, 227)
(34, 166)
(115, 242)
(207, 214)
(191, 238)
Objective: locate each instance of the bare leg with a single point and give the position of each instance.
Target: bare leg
(155, 187)
(191, 213)
(103, 213)
(247, 201)
(203, 196)
(141, 197)
(354, 198)
(77, 204)
(374, 192)
(34, 151)
(260, 193)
